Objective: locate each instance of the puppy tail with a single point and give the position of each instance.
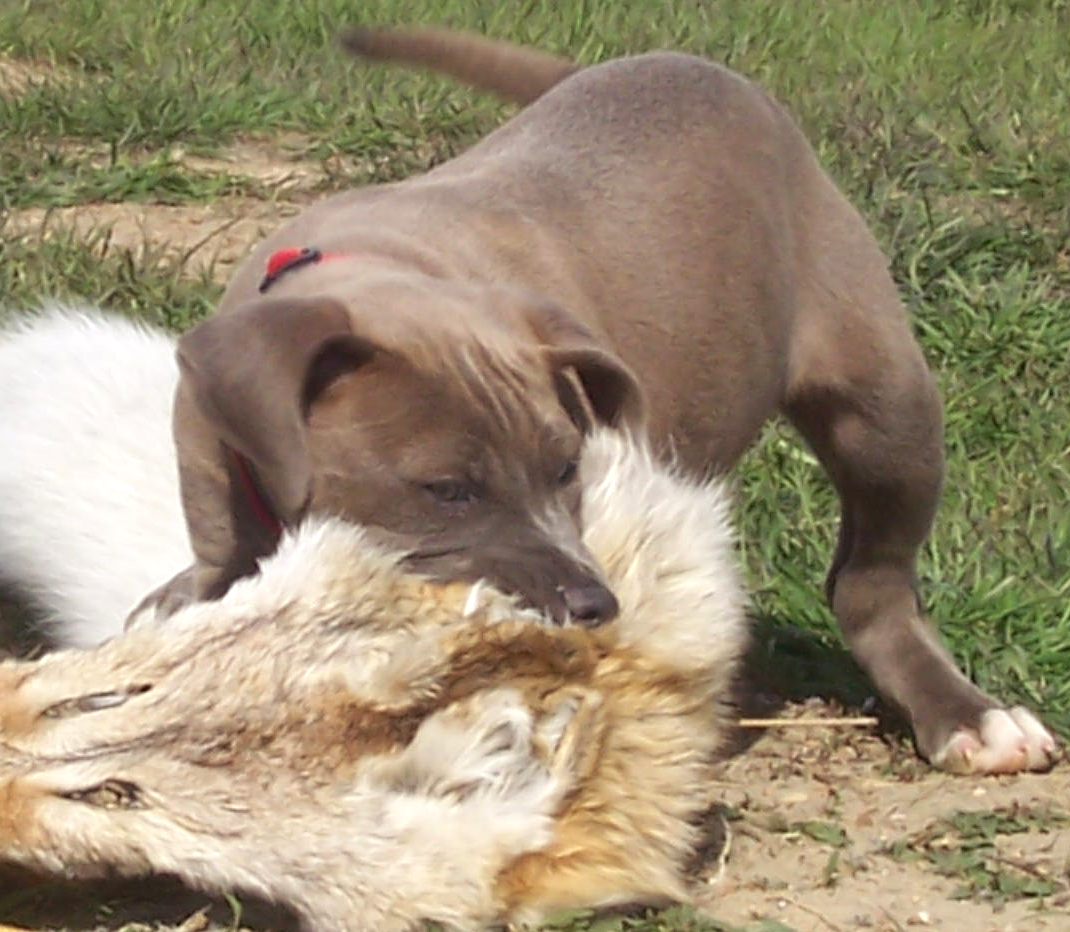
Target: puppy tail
(512, 72)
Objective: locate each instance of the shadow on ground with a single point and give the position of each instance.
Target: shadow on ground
(787, 665)
(133, 906)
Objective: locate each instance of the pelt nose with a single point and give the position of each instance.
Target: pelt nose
(590, 605)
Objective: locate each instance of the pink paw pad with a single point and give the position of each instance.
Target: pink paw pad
(1009, 741)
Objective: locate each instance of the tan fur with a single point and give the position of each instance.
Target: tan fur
(374, 749)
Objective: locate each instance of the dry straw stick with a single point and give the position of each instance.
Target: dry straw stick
(862, 721)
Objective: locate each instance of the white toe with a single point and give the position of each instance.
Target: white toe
(1040, 743)
(1010, 741)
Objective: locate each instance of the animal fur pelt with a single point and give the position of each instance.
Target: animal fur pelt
(90, 518)
(374, 750)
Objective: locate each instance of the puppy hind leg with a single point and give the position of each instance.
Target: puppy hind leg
(874, 420)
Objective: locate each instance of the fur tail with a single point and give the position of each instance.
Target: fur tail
(512, 72)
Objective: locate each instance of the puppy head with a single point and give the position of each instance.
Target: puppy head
(457, 446)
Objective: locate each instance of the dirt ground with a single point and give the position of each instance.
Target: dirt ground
(206, 237)
(210, 237)
(832, 828)
(838, 829)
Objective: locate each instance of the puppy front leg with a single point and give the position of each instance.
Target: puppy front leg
(872, 415)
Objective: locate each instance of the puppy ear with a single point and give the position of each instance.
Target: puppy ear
(247, 379)
(609, 391)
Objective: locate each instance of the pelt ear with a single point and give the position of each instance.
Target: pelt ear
(247, 379)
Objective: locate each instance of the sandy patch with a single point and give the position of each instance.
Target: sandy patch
(830, 823)
(204, 238)
(18, 75)
(276, 164)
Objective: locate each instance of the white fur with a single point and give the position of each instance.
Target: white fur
(662, 537)
(90, 519)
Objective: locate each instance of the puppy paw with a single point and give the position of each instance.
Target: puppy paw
(1008, 741)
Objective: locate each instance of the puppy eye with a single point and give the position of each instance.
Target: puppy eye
(451, 491)
(567, 473)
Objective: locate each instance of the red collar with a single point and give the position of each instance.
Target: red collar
(260, 508)
(286, 260)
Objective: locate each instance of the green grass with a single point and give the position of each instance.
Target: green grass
(963, 846)
(151, 287)
(946, 123)
(61, 178)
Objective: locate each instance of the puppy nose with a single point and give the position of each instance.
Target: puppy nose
(590, 604)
